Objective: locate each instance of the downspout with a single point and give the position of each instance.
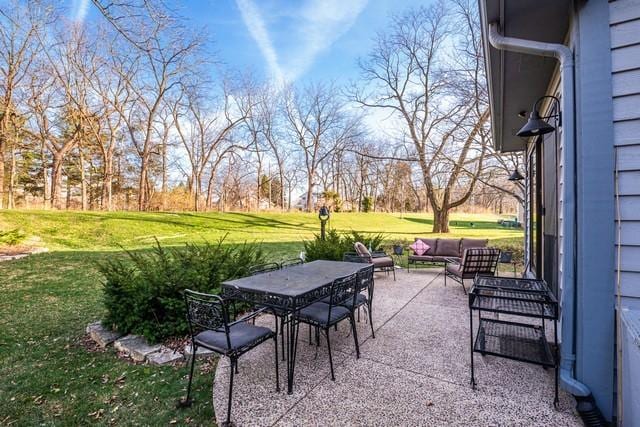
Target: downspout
(563, 54)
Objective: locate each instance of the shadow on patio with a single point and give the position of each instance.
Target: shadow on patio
(415, 372)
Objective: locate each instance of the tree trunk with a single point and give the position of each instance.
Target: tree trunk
(83, 181)
(310, 193)
(46, 202)
(142, 184)
(163, 198)
(12, 180)
(56, 181)
(107, 185)
(2, 148)
(440, 220)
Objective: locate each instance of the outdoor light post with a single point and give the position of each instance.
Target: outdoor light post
(323, 214)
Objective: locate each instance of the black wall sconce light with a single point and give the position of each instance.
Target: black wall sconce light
(537, 125)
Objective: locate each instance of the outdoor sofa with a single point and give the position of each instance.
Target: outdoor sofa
(443, 251)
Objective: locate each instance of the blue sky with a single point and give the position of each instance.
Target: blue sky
(290, 40)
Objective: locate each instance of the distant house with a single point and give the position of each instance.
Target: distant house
(583, 178)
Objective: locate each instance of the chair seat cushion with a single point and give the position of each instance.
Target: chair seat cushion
(361, 299)
(455, 269)
(317, 314)
(431, 258)
(386, 261)
(241, 335)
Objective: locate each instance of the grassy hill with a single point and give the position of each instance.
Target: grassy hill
(112, 230)
(50, 378)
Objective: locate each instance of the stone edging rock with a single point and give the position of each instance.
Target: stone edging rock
(137, 347)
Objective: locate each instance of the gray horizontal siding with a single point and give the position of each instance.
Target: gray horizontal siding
(629, 283)
(626, 133)
(623, 11)
(627, 107)
(626, 33)
(625, 58)
(628, 157)
(630, 208)
(630, 259)
(629, 183)
(626, 82)
(630, 233)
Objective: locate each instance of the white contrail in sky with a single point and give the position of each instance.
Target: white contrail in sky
(320, 23)
(81, 8)
(255, 24)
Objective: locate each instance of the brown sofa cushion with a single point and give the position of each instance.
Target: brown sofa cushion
(448, 247)
(472, 243)
(433, 243)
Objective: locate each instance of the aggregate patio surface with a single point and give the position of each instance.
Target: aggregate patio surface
(415, 372)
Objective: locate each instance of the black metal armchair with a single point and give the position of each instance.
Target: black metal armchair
(475, 261)
(323, 316)
(210, 328)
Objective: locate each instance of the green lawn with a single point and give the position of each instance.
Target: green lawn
(48, 377)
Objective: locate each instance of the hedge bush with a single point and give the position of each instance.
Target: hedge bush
(336, 244)
(143, 293)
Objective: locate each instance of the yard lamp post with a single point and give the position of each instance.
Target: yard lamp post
(323, 215)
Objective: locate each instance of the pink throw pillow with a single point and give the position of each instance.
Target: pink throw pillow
(419, 247)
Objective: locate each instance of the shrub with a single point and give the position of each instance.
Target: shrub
(367, 204)
(143, 293)
(336, 245)
(12, 237)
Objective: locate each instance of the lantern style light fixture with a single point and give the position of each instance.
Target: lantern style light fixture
(537, 125)
(516, 175)
(323, 215)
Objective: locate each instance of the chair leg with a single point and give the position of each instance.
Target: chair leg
(355, 335)
(394, 273)
(309, 333)
(275, 342)
(369, 307)
(333, 378)
(228, 422)
(463, 288)
(282, 334)
(187, 401)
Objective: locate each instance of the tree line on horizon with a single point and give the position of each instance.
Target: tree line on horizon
(135, 112)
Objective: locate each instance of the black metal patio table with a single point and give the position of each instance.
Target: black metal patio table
(290, 290)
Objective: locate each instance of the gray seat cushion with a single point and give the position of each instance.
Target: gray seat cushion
(361, 299)
(317, 313)
(386, 261)
(429, 258)
(241, 335)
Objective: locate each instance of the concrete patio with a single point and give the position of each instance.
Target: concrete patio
(415, 372)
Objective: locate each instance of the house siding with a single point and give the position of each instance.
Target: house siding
(624, 24)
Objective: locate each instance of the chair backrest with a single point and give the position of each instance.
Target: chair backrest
(263, 268)
(506, 257)
(365, 281)
(483, 261)
(343, 289)
(291, 262)
(206, 312)
(361, 249)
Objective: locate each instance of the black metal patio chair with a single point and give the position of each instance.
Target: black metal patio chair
(364, 295)
(291, 262)
(475, 261)
(323, 316)
(263, 268)
(210, 328)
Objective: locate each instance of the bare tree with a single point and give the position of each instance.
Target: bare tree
(319, 125)
(18, 25)
(416, 82)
